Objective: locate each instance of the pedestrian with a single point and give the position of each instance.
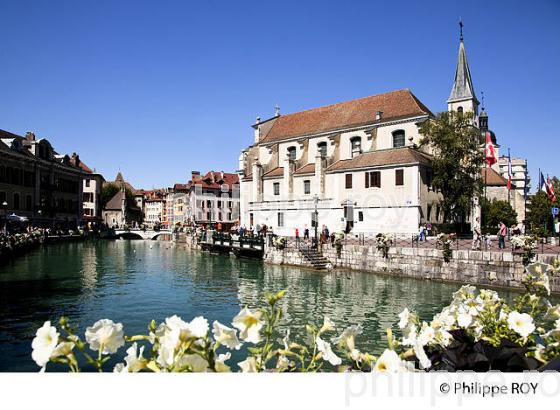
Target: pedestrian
(306, 233)
(421, 233)
(476, 243)
(297, 238)
(502, 232)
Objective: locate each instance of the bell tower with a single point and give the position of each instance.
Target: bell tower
(462, 97)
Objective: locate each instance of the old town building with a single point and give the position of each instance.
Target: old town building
(39, 184)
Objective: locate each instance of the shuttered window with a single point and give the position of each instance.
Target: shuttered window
(399, 177)
(373, 179)
(348, 181)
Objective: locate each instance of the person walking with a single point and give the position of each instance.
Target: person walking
(306, 233)
(297, 238)
(476, 243)
(421, 233)
(502, 232)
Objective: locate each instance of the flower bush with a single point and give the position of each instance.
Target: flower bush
(478, 331)
(279, 242)
(383, 242)
(446, 241)
(527, 243)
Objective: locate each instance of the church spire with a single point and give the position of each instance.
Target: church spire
(463, 89)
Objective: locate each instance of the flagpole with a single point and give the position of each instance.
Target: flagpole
(509, 176)
(525, 193)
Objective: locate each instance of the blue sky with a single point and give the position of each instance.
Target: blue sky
(157, 89)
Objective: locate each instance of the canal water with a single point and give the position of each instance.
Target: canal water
(135, 281)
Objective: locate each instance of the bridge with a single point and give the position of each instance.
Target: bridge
(140, 234)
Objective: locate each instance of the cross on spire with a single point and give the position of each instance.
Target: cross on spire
(482, 99)
(461, 27)
(276, 110)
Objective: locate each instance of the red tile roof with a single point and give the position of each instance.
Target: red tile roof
(306, 169)
(394, 105)
(396, 156)
(276, 172)
(215, 180)
(491, 178)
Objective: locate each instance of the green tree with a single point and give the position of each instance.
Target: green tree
(110, 189)
(495, 212)
(539, 215)
(457, 159)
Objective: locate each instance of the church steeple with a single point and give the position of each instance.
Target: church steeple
(462, 97)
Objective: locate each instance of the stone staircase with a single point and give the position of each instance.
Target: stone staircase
(315, 258)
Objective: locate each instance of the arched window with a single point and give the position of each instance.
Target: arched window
(398, 139)
(16, 201)
(322, 149)
(460, 110)
(292, 153)
(356, 146)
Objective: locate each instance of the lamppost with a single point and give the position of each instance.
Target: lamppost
(3, 208)
(315, 202)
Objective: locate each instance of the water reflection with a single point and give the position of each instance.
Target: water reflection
(136, 281)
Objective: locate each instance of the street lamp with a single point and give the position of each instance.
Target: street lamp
(315, 202)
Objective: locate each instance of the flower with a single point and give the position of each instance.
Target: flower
(328, 354)
(196, 363)
(388, 362)
(328, 325)
(404, 317)
(44, 343)
(220, 365)
(421, 355)
(464, 320)
(346, 339)
(249, 323)
(134, 359)
(198, 327)
(105, 335)
(248, 365)
(521, 323)
(63, 349)
(225, 335)
(427, 334)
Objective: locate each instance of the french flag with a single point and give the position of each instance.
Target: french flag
(546, 186)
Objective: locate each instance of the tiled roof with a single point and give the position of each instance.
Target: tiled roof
(396, 156)
(276, 172)
(215, 179)
(491, 178)
(394, 105)
(306, 169)
(115, 203)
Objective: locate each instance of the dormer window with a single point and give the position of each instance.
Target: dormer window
(292, 153)
(322, 149)
(460, 110)
(356, 146)
(398, 139)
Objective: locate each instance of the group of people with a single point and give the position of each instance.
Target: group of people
(324, 235)
(424, 231)
(502, 233)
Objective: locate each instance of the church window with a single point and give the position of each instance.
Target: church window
(307, 186)
(292, 153)
(322, 149)
(276, 187)
(460, 110)
(398, 139)
(356, 144)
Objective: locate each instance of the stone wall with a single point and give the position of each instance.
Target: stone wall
(466, 267)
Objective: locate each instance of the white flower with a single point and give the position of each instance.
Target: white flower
(404, 317)
(249, 323)
(347, 338)
(248, 365)
(557, 324)
(221, 366)
(198, 327)
(63, 349)
(521, 323)
(421, 355)
(134, 359)
(388, 362)
(328, 354)
(328, 325)
(427, 334)
(464, 320)
(409, 335)
(44, 343)
(194, 361)
(282, 363)
(225, 335)
(105, 335)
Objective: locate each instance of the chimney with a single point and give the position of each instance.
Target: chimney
(29, 136)
(195, 175)
(379, 115)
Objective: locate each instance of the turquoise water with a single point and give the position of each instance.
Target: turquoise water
(135, 281)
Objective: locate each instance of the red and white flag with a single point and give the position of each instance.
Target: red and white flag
(490, 151)
(550, 189)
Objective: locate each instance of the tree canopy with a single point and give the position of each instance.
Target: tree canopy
(110, 189)
(457, 159)
(494, 212)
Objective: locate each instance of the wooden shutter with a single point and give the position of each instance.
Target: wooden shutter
(367, 179)
(348, 181)
(399, 177)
